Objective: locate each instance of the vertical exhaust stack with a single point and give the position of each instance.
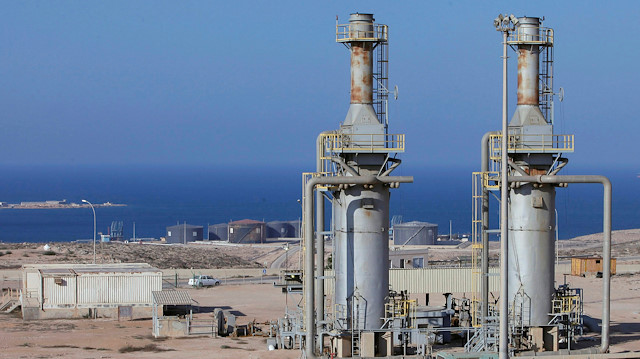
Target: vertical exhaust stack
(532, 150)
(353, 167)
(354, 164)
(361, 213)
(362, 40)
(532, 206)
(528, 45)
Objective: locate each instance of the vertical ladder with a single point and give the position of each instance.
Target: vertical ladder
(545, 94)
(357, 320)
(381, 82)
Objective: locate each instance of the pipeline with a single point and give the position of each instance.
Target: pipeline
(606, 246)
(309, 279)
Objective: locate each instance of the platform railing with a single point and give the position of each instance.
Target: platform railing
(352, 32)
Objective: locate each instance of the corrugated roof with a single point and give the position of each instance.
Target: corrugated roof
(246, 221)
(66, 268)
(171, 297)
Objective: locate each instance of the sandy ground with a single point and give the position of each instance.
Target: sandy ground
(84, 338)
(262, 303)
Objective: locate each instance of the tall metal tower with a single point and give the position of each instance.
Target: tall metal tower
(353, 170)
(532, 150)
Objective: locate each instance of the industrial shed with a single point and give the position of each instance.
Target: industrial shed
(415, 233)
(184, 233)
(118, 291)
(586, 266)
(247, 231)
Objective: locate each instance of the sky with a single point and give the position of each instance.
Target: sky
(249, 83)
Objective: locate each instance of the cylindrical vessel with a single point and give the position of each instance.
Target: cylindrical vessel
(362, 254)
(361, 26)
(531, 253)
(528, 60)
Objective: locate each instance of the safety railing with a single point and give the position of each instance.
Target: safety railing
(566, 304)
(531, 143)
(370, 143)
(402, 309)
(352, 32)
(523, 36)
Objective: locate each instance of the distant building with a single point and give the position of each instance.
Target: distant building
(415, 233)
(408, 258)
(247, 231)
(184, 233)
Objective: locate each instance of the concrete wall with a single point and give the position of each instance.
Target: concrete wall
(36, 313)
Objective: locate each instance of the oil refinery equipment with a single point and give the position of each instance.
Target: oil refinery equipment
(353, 170)
(525, 166)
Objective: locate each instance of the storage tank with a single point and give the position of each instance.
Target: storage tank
(247, 231)
(183, 233)
(415, 233)
(219, 232)
(283, 229)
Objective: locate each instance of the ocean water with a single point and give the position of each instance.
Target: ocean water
(160, 196)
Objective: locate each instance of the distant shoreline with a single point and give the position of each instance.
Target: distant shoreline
(55, 205)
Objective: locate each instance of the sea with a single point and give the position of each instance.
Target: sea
(157, 196)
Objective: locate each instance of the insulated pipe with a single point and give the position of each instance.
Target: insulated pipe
(484, 167)
(309, 280)
(504, 218)
(606, 246)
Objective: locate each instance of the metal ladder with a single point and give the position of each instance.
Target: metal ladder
(545, 92)
(357, 320)
(381, 82)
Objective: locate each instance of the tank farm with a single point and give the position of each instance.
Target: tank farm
(347, 308)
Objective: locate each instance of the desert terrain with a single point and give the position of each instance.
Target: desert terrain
(261, 303)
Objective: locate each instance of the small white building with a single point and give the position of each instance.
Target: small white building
(118, 291)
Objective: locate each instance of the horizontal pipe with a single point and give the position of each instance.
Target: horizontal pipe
(606, 246)
(309, 280)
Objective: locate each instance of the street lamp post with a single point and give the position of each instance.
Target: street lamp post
(94, 229)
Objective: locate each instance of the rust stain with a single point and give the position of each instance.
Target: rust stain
(537, 171)
(356, 93)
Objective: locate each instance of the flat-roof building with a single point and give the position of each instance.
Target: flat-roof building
(122, 290)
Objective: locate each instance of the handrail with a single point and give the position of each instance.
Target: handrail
(378, 33)
(519, 36)
(374, 143)
(525, 143)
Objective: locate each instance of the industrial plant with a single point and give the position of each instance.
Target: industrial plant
(352, 309)
(354, 282)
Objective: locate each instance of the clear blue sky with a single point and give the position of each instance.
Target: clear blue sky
(208, 83)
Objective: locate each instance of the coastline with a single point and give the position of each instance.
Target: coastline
(45, 205)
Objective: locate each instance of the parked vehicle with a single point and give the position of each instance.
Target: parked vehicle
(204, 281)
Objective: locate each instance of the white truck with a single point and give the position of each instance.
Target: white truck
(203, 281)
